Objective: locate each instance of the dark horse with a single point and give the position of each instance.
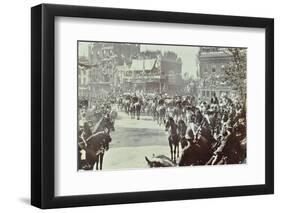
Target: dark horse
(138, 109)
(97, 144)
(196, 150)
(132, 110)
(94, 153)
(173, 138)
(106, 124)
(135, 109)
(161, 114)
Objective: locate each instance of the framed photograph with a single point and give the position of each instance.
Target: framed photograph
(140, 106)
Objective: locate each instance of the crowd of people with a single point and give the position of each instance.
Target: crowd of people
(209, 131)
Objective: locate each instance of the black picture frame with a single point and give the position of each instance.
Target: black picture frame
(43, 105)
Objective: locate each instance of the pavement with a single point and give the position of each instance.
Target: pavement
(134, 139)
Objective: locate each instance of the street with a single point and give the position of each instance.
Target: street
(134, 139)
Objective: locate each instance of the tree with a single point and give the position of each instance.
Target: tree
(236, 71)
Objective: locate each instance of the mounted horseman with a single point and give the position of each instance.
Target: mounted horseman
(132, 108)
(177, 113)
(94, 148)
(138, 102)
(126, 103)
(161, 111)
(174, 137)
(93, 142)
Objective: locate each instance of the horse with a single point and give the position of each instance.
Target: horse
(153, 110)
(113, 114)
(159, 161)
(190, 154)
(97, 144)
(173, 138)
(195, 153)
(196, 149)
(132, 110)
(137, 109)
(105, 123)
(161, 114)
(126, 105)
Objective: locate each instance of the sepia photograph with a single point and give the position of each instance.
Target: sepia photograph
(160, 105)
(139, 105)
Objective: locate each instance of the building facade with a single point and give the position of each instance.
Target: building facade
(152, 72)
(84, 78)
(213, 80)
(171, 67)
(105, 58)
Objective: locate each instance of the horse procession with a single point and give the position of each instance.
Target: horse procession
(199, 132)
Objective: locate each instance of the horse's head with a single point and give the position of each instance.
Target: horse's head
(152, 163)
(108, 123)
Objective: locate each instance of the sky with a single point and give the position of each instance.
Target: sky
(188, 54)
